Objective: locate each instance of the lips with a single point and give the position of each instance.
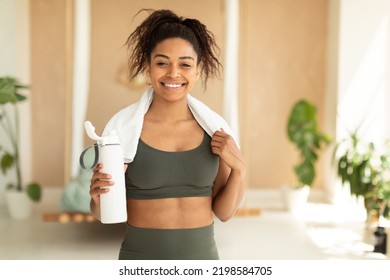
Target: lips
(173, 85)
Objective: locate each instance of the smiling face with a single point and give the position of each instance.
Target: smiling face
(173, 68)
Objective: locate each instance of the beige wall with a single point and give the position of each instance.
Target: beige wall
(111, 25)
(282, 58)
(50, 89)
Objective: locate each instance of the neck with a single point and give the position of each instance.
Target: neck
(169, 111)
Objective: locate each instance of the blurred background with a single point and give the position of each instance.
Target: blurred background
(333, 53)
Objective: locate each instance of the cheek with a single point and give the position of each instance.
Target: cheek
(154, 74)
(193, 73)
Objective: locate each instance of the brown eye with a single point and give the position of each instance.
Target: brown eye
(161, 63)
(186, 65)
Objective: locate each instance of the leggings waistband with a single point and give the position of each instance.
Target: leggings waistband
(144, 243)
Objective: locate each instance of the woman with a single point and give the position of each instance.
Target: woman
(179, 176)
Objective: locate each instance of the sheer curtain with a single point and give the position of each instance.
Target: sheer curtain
(81, 71)
(230, 109)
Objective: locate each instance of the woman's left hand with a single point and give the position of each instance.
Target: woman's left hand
(223, 145)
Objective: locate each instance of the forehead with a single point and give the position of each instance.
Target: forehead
(174, 47)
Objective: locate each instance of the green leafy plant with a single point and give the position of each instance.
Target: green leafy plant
(10, 96)
(366, 170)
(379, 196)
(303, 132)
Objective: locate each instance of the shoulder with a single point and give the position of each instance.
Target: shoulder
(133, 113)
(208, 119)
(202, 109)
(120, 117)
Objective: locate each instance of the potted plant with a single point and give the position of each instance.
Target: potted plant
(366, 170)
(379, 197)
(10, 96)
(303, 132)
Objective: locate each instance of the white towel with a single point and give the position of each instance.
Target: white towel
(128, 122)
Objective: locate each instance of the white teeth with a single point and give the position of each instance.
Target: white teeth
(173, 85)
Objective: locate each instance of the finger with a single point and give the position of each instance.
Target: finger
(218, 138)
(96, 193)
(100, 187)
(100, 180)
(98, 167)
(100, 177)
(216, 149)
(216, 145)
(97, 172)
(219, 133)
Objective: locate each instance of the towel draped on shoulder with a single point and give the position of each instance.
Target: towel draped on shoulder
(128, 122)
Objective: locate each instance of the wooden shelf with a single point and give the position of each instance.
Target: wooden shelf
(248, 212)
(68, 217)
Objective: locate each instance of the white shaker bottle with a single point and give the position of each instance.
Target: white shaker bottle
(110, 154)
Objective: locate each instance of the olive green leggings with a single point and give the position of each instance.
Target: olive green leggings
(169, 244)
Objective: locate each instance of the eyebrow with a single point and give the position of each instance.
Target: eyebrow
(181, 58)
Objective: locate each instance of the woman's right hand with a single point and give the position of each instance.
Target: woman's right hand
(100, 184)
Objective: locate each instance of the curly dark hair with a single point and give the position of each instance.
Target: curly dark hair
(164, 24)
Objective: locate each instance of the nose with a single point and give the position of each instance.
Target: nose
(173, 72)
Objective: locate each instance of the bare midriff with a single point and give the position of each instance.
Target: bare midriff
(170, 213)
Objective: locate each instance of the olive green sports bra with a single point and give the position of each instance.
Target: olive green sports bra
(157, 174)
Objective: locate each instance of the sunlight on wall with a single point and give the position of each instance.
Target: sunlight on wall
(363, 80)
(363, 103)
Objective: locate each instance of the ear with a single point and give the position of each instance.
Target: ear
(197, 73)
(147, 71)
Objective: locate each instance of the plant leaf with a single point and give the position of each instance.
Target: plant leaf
(34, 192)
(9, 90)
(305, 172)
(302, 131)
(7, 161)
(20, 97)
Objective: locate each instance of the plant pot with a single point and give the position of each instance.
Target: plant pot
(388, 242)
(19, 205)
(294, 198)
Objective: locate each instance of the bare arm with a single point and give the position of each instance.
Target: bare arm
(228, 189)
